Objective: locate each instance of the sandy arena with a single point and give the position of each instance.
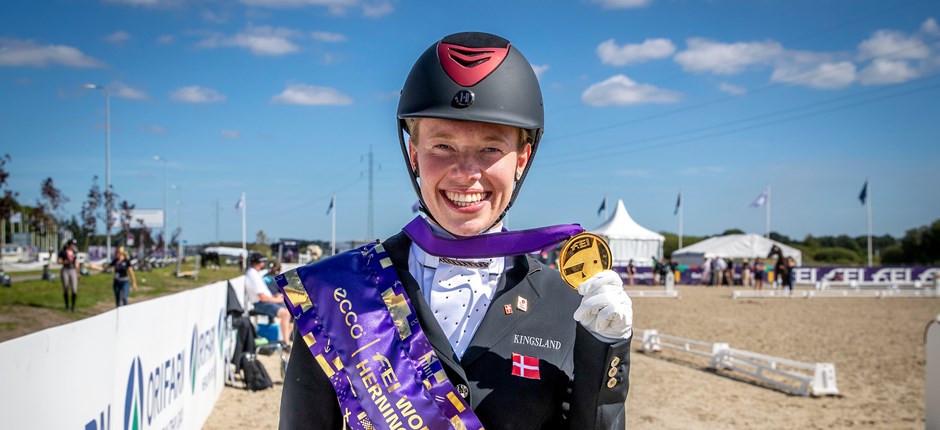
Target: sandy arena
(876, 346)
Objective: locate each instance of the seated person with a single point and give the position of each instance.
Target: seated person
(263, 302)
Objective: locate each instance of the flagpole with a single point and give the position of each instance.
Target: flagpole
(244, 223)
(681, 209)
(333, 231)
(767, 225)
(868, 204)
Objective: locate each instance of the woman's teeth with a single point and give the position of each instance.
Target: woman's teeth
(464, 199)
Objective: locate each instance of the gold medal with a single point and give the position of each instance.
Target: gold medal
(582, 257)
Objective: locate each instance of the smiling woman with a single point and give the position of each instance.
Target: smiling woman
(456, 284)
(467, 171)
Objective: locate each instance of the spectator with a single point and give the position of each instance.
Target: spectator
(631, 272)
(656, 268)
(759, 269)
(729, 272)
(788, 278)
(273, 270)
(123, 276)
(746, 273)
(719, 265)
(707, 272)
(68, 258)
(261, 298)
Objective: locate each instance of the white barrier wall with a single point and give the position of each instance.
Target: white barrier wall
(156, 364)
(932, 397)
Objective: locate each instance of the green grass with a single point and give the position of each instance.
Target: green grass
(96, 288)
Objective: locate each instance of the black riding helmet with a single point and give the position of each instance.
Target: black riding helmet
(473, 77)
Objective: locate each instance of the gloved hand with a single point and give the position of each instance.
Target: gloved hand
(605, 309)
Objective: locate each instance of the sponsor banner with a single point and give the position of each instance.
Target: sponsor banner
(810, 274)
(157, 364)
(60, 378)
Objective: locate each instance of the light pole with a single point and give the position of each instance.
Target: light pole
(107, 159)
(179, 239)
(165, 238)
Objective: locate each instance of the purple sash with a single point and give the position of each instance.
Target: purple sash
(358, 323)
(488, 245)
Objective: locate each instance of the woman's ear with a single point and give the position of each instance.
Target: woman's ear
(413, 157)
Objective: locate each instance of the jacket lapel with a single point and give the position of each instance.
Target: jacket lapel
(497, 324)
(398, 248)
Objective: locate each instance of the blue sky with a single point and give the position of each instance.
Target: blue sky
(283, 99)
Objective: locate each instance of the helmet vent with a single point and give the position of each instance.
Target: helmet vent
(468, 66)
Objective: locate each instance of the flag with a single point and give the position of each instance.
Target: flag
(416, 207)
(760, 200)
(678, 204)
(526, 367)
(330, 209)
(240, 203)
(864, 193)
(603, 206)
(15, 218)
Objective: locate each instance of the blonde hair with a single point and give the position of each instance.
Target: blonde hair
(120, 250)
(413, 123)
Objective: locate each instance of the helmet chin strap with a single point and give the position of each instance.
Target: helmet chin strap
(417, 187)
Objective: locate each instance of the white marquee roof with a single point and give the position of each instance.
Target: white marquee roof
(621, 226)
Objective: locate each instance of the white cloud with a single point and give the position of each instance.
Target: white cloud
(16, 52)
(118, 37)
(887, 71)
(828, 75)
(620, 90)
(374, 8)
(153, 129)
(262, 40)
(892, 44)
(539, 69)
(326, 36)
(622, 4)
(124, 91)
(231, 134)
(930, 26)
(703, 55)
(303, 94)
(197, 94)
(650, 49)
(213, 17)
(731, 89)
(166, 39)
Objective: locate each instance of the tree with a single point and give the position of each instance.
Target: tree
(126, 218)
(8, 201)
(90, 210)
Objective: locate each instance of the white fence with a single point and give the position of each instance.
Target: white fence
(808, 294)
(817, 379)
(157, 364)
(932, 356)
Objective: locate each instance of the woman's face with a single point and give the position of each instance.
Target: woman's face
(466, 171)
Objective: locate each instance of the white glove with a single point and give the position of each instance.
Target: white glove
(606, 309)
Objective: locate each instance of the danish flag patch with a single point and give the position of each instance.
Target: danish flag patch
(526, 367)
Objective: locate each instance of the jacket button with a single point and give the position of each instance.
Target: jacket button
(611, 383)
(462, 390)
(612, 372)
(614, 362)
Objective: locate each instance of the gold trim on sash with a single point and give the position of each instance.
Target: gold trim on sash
(399, 310)
(296, 293)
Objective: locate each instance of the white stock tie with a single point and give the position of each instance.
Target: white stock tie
(460, 297)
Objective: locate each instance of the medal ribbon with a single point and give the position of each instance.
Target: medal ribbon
(357, 320)
(489, 245)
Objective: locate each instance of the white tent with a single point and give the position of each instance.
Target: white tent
(629, 240)
(735, 246)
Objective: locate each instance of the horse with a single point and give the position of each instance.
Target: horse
(781, 270)
(210, 260)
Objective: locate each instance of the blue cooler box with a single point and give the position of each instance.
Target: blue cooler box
(270, 332)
